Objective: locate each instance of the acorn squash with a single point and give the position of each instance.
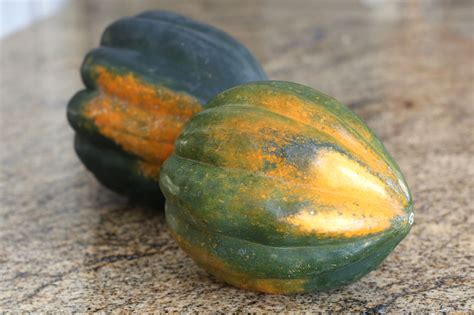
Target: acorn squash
(150, 74)
(278, 188)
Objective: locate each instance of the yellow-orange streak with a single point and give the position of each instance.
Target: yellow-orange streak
(345, 197)
(144, 120)
(134, 129)
(324, 121)
(151, 170)
(158, 100)
(357, 203)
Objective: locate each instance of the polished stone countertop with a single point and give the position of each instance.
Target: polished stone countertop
(67, 243)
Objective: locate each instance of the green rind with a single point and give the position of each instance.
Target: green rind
(110, 164)
(75, 115)
(216, 214)
(231, 44)
(320, 267)
(118, 171)
(201, 61)
(122, 61)
(201, 194)
(161, 49)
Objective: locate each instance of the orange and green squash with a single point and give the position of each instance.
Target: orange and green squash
(150, 74)
(278, 188)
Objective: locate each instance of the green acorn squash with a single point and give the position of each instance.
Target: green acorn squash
(278, 188)
(150, 74)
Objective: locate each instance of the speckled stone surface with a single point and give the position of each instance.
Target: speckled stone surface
(67, 243)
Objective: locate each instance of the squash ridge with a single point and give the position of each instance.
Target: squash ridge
(310, 127)
(280, 179)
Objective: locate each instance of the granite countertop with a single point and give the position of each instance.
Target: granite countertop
(67, 243)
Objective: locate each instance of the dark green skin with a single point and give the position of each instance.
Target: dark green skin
(213, 218)
(162, 49)
(325, 266)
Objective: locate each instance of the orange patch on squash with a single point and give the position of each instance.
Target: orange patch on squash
(344, 198)
(354, 203)
(143, 119)
(321, 119)
(159, 100)
(151, 170)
